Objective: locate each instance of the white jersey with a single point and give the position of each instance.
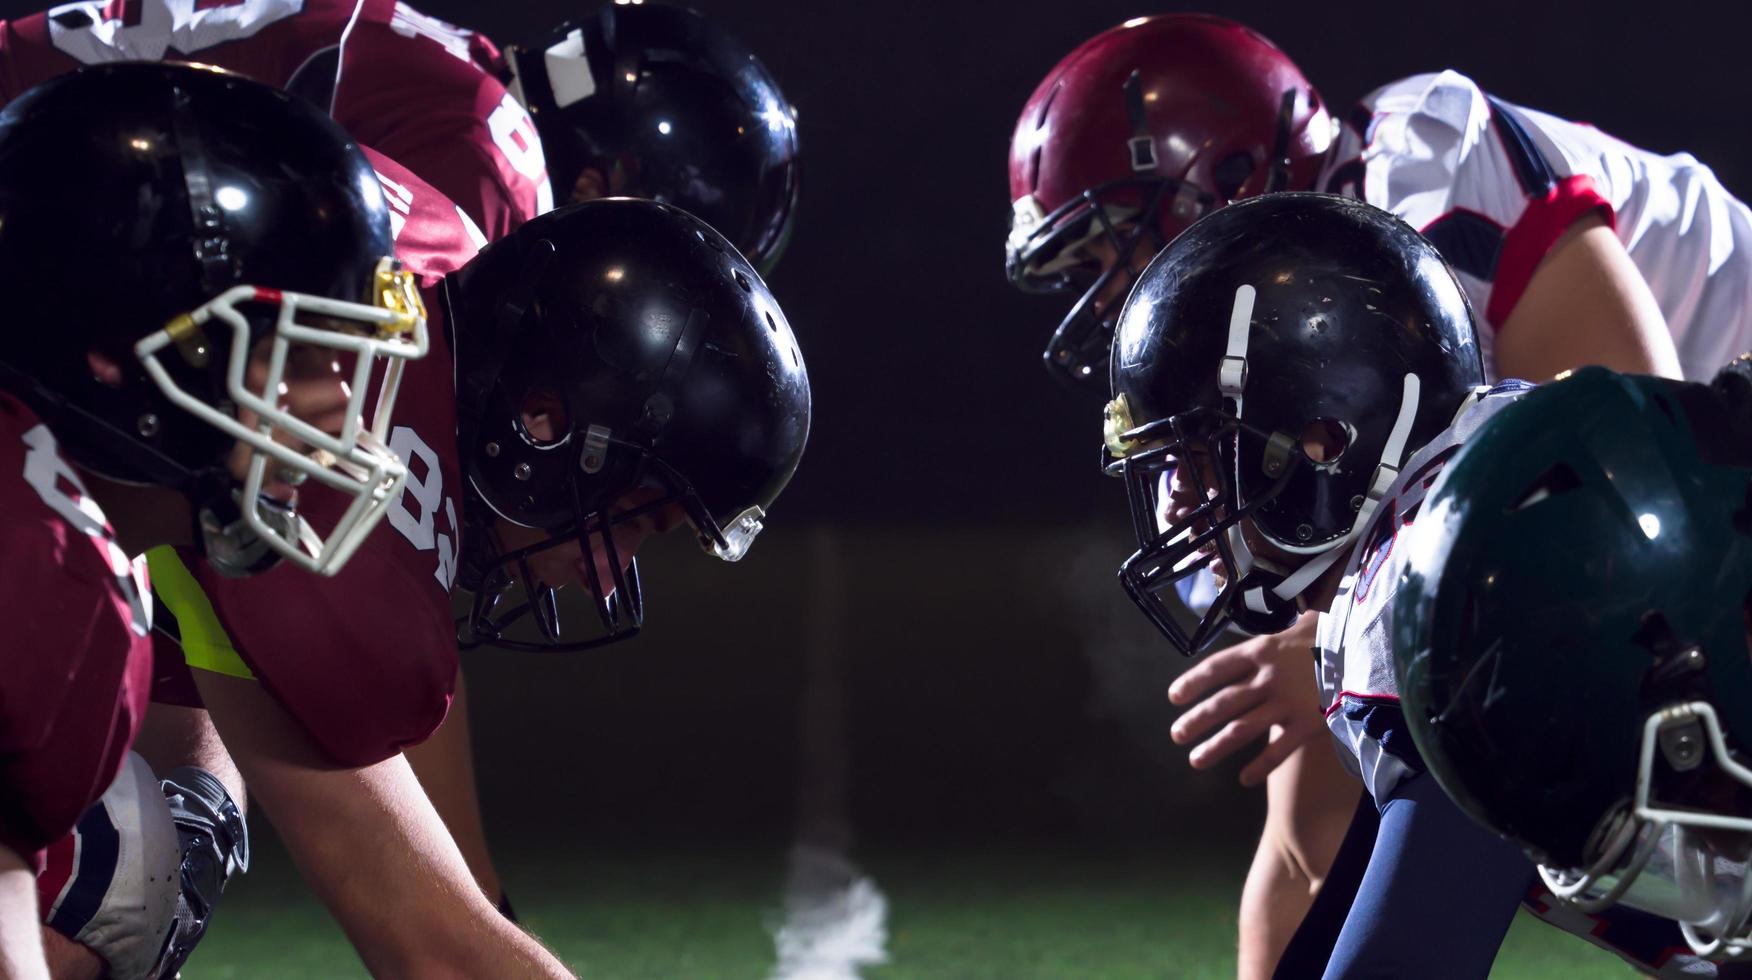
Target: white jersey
(1354, 642)
(1493, 186)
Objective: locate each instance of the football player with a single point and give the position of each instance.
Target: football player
(1242, 458)
(621, 371)
(644, 100)
(1548, 224)
(410, 86)
(1571, 637)
(177, 365)
(276, 41)
(404, 79)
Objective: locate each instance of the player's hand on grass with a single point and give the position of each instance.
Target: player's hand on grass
(1262, 688)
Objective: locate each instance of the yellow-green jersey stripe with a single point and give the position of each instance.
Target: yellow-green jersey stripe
(205, 645)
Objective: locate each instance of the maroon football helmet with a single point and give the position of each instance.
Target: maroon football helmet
(1136, 134)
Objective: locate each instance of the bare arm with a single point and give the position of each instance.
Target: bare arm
(1309, 802)
(69, 960)
(21, 943)
(1586, 304)
(444, 763)
(372, 848)
(173, 736)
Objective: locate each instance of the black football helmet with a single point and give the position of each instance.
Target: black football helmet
(1277, 323)
(664, 104)
(167, 217)
(675, 371)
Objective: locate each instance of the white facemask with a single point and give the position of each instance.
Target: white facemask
(356, 461)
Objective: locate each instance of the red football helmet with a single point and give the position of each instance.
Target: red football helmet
(1137, 133)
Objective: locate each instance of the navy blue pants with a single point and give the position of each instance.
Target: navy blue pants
(1418, 890)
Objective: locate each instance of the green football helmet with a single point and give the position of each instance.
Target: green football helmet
(1571, 642)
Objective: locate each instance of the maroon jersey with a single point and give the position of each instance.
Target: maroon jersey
(410, 85)
(76, 665)
(366, 660)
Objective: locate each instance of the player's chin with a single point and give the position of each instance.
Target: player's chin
(605, 575)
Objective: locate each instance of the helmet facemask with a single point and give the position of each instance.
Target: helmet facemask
(1048, 253)
(1198, 447)
(242, 529)
(620, 606)
(619, 601)
(1685, 863)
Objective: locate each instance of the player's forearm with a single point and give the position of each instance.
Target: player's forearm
(174, 736)
(413, 910)
(444, 764)
(69, 960)
(1273, 901)
(395, 882)
(21, 935)
(495, 948)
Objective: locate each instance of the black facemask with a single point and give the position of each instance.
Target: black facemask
(1209, 537)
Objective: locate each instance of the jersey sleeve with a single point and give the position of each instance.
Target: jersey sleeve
(365, 661)
(76, 663)
(411, 87)
(1474, 174)
(25, 56)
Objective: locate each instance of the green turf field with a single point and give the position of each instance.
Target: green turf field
(1005, 914)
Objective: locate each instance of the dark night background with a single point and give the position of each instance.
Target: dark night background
(944, 558)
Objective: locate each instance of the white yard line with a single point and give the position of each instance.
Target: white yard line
(835, 919)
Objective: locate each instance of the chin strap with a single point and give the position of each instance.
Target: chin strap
(1141, 147)
(1231, 381)
(1277, 175)
(232, 548)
